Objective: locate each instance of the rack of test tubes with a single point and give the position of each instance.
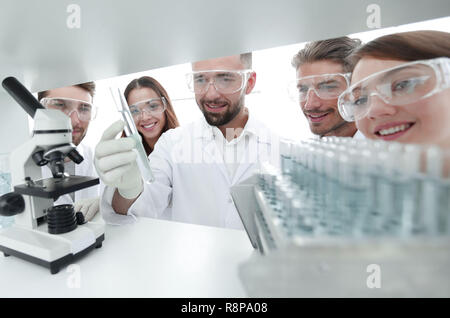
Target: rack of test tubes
(338, 207)
(341, 187)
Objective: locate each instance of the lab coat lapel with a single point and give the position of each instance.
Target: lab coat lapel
(250, 156)
(244, 165)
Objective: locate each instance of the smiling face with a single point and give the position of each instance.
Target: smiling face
(149, 125)
(322, 114)
(219, 108)
(426, 121)
(79, 128)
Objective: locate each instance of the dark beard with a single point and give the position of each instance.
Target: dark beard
(79, 140)
(222, 119)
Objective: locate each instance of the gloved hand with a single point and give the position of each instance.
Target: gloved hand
(89, 207)
(115, 162)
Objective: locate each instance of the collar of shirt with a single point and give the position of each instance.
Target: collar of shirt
(358, 135)
(209, 132)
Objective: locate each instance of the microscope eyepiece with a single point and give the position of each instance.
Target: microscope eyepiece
(21, 95)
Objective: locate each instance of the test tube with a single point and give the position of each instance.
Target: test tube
(132, 132)
(286, 156)
(432, 189)
(445, 208)
(398, 182)
(410, 210)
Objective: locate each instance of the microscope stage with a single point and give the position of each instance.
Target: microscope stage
(52, 188)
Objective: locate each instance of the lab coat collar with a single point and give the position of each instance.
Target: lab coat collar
(358, 135)
(265, 139)
(251, 127)
(206, 134)
(266, 142)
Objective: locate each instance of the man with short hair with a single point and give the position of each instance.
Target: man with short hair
(76, 102)
(323, 69)
(194, 165)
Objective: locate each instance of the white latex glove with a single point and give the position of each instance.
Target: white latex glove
(89, 207)
(115, 162)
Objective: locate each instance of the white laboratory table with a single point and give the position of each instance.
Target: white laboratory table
(150, 258)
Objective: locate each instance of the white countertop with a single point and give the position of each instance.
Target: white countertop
(150, 258)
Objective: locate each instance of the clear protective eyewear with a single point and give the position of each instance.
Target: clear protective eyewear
(85, 110)
(325, 86)
(152, 106)
(224, 81)
(400, 85)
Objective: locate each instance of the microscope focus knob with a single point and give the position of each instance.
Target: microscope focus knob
(11, 204)
(80, 218)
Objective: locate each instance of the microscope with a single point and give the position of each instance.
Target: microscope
(44, 234)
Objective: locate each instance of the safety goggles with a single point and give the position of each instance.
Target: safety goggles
(325, 86)
(224, 81)
(85, 110)
(400, 85)
(152, 106)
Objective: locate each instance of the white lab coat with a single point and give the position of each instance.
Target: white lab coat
(85, 168)
(191, 176)
(359, 135)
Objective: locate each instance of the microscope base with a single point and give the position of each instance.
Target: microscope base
(50, 250)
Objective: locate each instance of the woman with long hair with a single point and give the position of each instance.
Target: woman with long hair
(151, 109)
